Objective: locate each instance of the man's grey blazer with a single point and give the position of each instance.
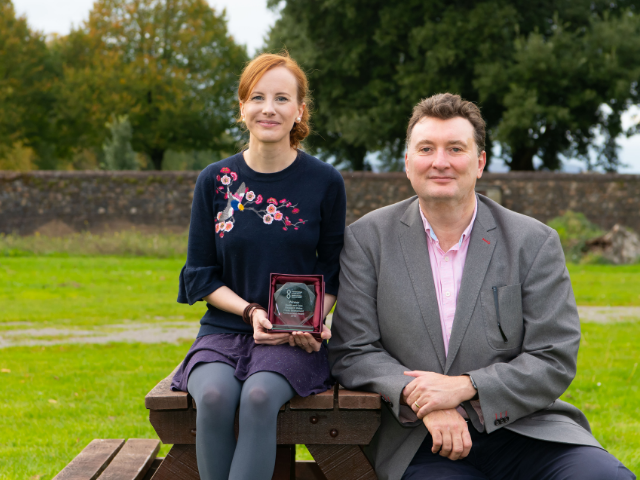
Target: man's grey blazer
(387, 321)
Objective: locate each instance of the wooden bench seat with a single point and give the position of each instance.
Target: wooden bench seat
(114, 460)
(333, 425)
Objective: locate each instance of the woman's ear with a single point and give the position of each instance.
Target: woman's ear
(301, 109)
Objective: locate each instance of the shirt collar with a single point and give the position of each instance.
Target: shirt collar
(465, 234)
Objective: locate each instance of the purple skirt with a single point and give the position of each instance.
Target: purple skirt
(306, 372)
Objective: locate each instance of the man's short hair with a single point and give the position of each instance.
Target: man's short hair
(445, 106)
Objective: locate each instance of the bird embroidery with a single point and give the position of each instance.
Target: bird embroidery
(274, 211)
(234, 203)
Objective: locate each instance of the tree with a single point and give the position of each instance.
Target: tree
(26, 97)
(118, 153)
(168, 64)
(540, 71)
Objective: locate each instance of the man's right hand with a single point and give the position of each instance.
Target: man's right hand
(450, 433)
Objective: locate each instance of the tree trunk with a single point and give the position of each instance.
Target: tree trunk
(355, 156)
(522, 159)
(156, 158)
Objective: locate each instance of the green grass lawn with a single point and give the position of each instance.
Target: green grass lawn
(54, 400)
(613, 285)
(88, 291)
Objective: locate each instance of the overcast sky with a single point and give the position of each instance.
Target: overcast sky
(248, 22)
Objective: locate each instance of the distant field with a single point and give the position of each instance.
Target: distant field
(85, 291)
(55, 400)
(48, 424)
(613, 285)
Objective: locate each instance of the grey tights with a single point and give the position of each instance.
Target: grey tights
(218, 393)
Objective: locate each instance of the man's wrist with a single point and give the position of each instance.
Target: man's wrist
(471, 394)
(471, 390)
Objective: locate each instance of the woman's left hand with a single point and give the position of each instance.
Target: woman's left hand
(306, 341)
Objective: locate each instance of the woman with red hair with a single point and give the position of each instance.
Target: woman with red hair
(271, 208)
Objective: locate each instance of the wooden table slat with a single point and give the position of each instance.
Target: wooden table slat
(91, 462)
(133, 460)
(320, 401)
(353, 400)
(163, 398)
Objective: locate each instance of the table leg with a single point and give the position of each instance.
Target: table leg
(342, 462)
(180, 463)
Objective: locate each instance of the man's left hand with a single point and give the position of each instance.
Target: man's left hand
(430, 391)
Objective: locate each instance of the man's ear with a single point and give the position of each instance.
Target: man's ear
(406, 163)
(482, 163)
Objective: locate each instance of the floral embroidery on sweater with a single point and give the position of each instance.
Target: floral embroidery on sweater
(273, 211)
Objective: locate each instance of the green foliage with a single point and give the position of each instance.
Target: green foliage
(118, 153)
(27, 72)
(170, 66)
(540, 71)
(574, 229)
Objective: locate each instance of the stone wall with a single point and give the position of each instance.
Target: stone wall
(56, 202)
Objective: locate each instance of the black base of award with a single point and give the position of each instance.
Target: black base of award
(296, 303)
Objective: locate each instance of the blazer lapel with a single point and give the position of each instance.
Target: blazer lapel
(413, 241)
(481, 247)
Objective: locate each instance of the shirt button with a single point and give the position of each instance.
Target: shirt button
(447, 294)
(446, 259)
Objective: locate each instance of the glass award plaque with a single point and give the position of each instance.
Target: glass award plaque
(296, 303)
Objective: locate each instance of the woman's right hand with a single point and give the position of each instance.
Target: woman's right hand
(261, 324)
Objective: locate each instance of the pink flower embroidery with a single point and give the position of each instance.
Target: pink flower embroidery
(259, 200)
(217, 227)
(251, 196)
(284, 228)
(284, 200)
(221, 234)
(272, 209)
(272, 200)
(268, 219)
(226, 180)
(234, 175)
(225, 170)
(278, 215)
(219, 215)
(295, 210)
(218, 178)
(228, 226)
(288, 204)
(295, 228)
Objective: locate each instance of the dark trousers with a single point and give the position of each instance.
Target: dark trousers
(505, 455)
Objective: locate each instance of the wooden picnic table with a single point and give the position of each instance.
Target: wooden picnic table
(334, 425)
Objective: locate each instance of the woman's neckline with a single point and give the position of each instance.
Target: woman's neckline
(272, 176)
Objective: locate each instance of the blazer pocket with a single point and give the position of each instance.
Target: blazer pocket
(505, 323)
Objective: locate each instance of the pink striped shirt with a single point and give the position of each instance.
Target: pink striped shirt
(447, 268)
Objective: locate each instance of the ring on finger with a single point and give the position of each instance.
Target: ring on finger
(416, 404)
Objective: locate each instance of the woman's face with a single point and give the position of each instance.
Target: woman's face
(272, 107)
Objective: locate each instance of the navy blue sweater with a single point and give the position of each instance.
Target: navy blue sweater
(246, 225)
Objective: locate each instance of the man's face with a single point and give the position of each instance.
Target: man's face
(442, 160)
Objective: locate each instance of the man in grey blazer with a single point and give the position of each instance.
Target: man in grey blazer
(461, 315)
